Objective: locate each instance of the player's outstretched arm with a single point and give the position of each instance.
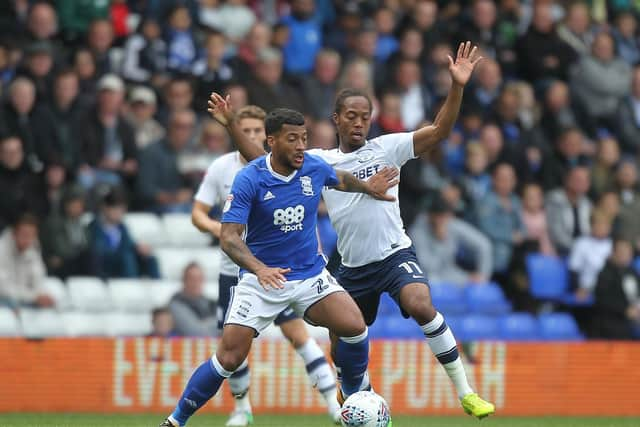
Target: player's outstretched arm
(460, 69)
(376, 187)
(221, 110)
(233, 245)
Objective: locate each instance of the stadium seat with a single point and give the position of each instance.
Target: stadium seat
(477, 327)
(486, 298)
(518, 327)
(128, 324)
(173, 261)
(558, 327)
(448, 299)
(548, 276)
(388, 306)
(397, 327)
(41, 323)
(9, 325)
(130, 295)
(56, 288)
(88, 294)
(209, 260)
(146, 228)
(211, 290)
(82, 324)
(181, 232)
(162, 291)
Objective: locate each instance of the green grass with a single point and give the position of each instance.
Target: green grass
(99, 420)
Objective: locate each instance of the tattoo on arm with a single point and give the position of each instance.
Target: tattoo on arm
(350, 183)
(232, 244)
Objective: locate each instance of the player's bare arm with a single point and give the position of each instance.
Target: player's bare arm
(461, 69)
(375, 187)
(201, 220)
(221, 110)
(233, 245)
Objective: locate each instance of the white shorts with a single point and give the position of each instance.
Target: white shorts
(251, 305)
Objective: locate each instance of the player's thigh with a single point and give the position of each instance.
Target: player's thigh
(234, 345)
(338, 313)
(293, 328)
(415, 300)
(225, 283)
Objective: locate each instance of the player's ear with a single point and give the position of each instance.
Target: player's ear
(334, 116)
(271, 140)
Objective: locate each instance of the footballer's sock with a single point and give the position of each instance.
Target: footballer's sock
(319, 372)
(352, 357)
(202, 386)
(443, 345)
(239, 385)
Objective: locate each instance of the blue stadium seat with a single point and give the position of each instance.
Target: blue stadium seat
(400, 328)
(558, 327)
(548, 277)
(477, 327)
(518, 327)
(388, 306)
(636, 264)
(377, 330)
(487, 298)
(448, 299)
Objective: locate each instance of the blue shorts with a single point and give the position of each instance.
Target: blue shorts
(366, 283)
(225, 283)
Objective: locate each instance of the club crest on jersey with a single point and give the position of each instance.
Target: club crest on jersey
(227, 204)
(307, 186)
(365, 155)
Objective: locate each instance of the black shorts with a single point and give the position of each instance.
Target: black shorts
(366, 283)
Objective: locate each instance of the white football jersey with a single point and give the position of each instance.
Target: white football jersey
(213, 191)
(369, 230)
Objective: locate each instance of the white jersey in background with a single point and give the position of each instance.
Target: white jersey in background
(213, 191)
(369, 230)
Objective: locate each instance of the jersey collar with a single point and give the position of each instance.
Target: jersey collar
(276, 174)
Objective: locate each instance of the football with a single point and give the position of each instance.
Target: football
(365, 409)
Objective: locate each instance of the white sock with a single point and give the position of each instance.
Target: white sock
(239, 385)
(444, 347)
(320, 373)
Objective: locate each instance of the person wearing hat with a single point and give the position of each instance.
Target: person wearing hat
(142, 107)
(108, 152)
(114, 251)
(65, 238)
(440, 237)
(38, 66)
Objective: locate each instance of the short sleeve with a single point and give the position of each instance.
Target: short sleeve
(397, 146)
(330, 177)
(237, 207)
(208, 191)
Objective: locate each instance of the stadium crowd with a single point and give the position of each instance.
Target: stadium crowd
(104, 112)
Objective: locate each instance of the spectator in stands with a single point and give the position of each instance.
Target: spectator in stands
(258, 38)
(491, 139)
(142, 107)
(31, 122)
(216, 16)
(487, 84)
(182, 49)
(55, 184)
(482, 28)
(476, 181)
(22, 271)
(194, 314)
(212, 142)
(160, 185)
(500, 218)
(440, 239)
(603, 169)
(627, 182)
(20, 189)
(617, 306)
(42, 23)
(212, 71)
(414, 97)
(568, 152)
(99, 41)
(628, 117)
(385, 21)
(38, 67)
(542, 54)
(145, 55)
(589, 254)
(599, 81)
(535, 220)
(65, 238)
(108, 152)
(178, 95)
(557, 114)
(267, 90)
(624, 33)
(577, 30)
(323, 135)
(114, 252)
(569, 210)
(305, 38)
(76, 18)
(162, 323)
(390, 118)
(85, 66)
(319, 88)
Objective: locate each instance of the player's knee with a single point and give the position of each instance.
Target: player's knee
(231, 360)
(353, 326)
(422, 310)
(295, 333)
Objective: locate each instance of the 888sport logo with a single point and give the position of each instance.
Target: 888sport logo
(289, 219)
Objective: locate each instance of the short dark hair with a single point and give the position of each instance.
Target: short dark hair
(159, 311)
(282, 116)
(114, 196)
(26, 218)
(348, 93)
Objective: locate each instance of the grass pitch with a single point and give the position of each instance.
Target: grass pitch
(100, 420)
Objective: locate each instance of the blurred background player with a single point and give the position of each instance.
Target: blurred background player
(373, 263)
(212, 193)
(280, 265)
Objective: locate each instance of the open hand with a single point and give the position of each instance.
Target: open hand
(220, 109)
(272, 277)
(466, 60)
(382, 181)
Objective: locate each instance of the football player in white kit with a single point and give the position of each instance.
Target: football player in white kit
(377, 255)
(213, 191)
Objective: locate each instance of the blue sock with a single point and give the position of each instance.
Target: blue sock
(352, 358)
(202, 386)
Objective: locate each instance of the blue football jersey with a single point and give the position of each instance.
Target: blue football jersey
(280, 213)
